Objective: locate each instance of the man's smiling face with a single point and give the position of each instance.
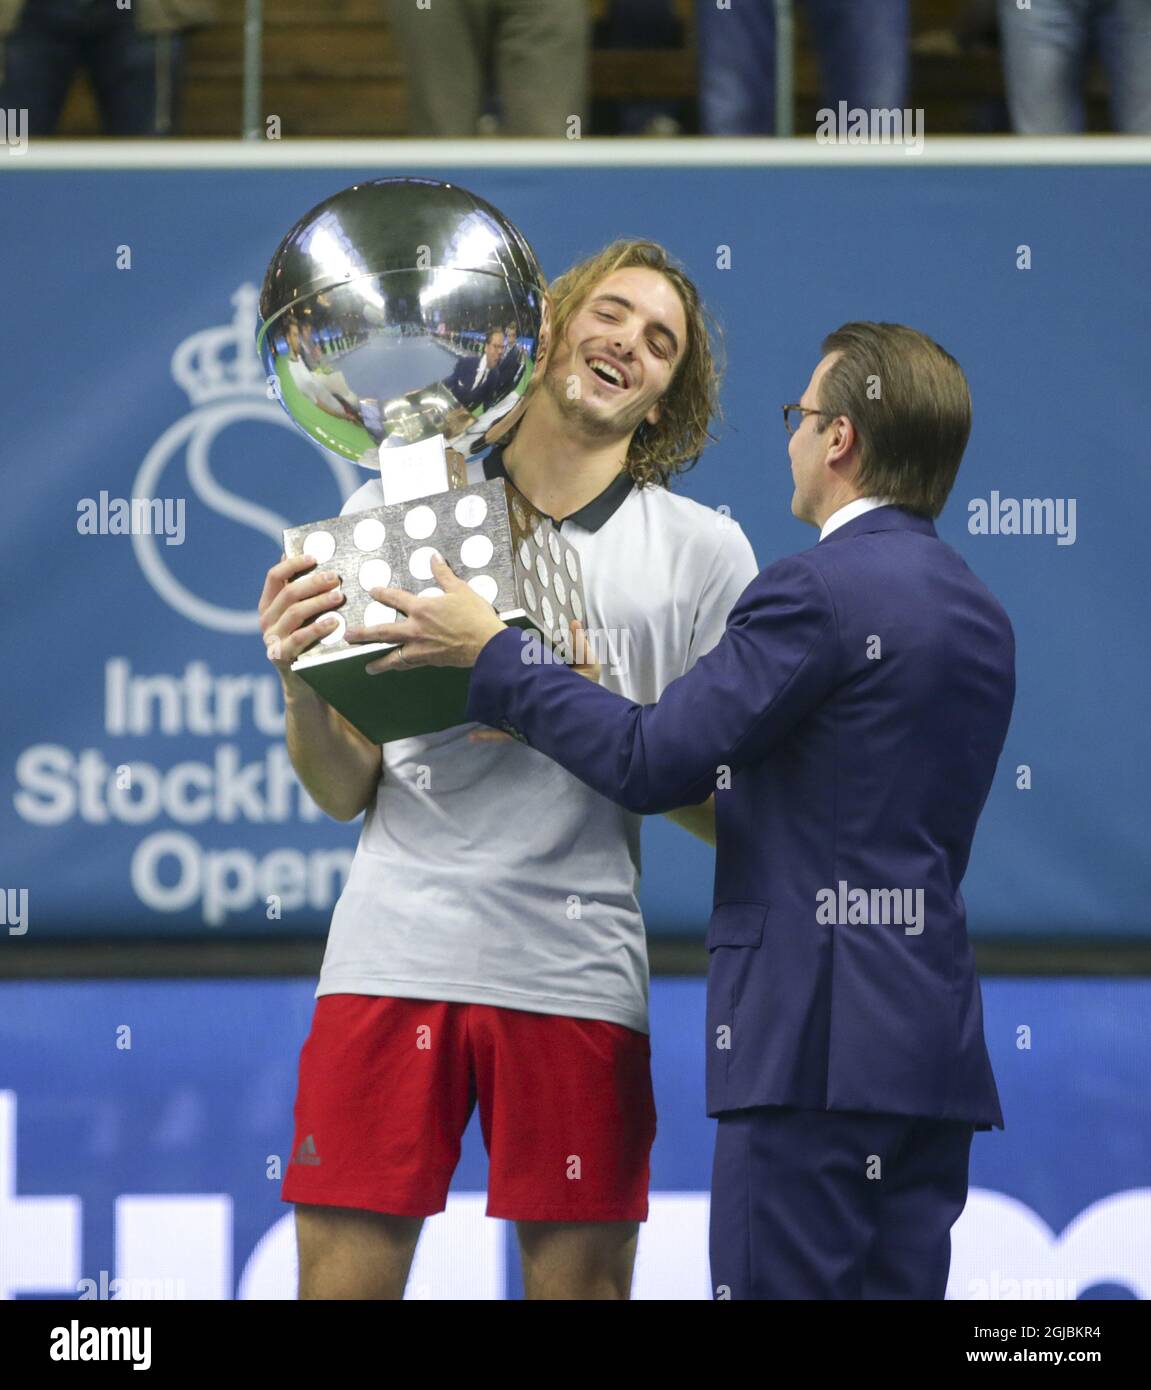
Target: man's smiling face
(620, 353)
(494, 348)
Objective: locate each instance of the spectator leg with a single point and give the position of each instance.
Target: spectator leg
(736, 50)
(136, 78)
(864, 52)
(1044, 64)
(1124, 36)
(38, 61)
(542, 49)
(446, 50)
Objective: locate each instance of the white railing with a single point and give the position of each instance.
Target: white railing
(702, 152)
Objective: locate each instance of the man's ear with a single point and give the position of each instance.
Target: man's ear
(843, 458)
(545, 336)
(847, 438)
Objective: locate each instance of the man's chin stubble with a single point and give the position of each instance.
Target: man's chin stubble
(591, 425)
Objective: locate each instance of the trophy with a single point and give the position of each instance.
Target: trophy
(384, 313)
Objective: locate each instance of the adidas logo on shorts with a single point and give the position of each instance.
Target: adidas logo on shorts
(306, 1153)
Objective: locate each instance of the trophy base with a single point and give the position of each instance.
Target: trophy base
(396, 704)
(508, 552)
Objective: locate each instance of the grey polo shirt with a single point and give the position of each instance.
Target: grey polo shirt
(487, 874)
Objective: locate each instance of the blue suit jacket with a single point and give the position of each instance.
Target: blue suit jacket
(463, 374)
(857, 705)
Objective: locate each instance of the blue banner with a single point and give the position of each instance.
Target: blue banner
(144, 1129)
(145, 783)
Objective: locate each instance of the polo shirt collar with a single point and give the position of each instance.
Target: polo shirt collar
(592, 515)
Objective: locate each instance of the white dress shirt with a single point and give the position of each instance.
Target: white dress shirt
(849, 511)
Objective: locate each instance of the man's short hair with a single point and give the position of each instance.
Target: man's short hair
(674, 443)
(911, 407)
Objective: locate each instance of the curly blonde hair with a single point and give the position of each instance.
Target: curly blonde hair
(674, 443)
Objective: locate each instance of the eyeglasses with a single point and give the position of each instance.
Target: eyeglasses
(789, 411)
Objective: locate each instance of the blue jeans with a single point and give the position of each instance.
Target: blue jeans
(1045, 55)
(135, 76)
(863, 59)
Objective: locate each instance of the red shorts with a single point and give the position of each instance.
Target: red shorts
(387, 1087)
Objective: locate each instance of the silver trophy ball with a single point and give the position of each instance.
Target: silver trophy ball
(398, 313)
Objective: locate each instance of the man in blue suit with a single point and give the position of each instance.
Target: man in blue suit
(481, 381)
(849, 724)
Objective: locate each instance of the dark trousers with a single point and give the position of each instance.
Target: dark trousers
(135, 76)
(834, 1204)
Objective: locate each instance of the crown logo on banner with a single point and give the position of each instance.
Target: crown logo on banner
(222, 362)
